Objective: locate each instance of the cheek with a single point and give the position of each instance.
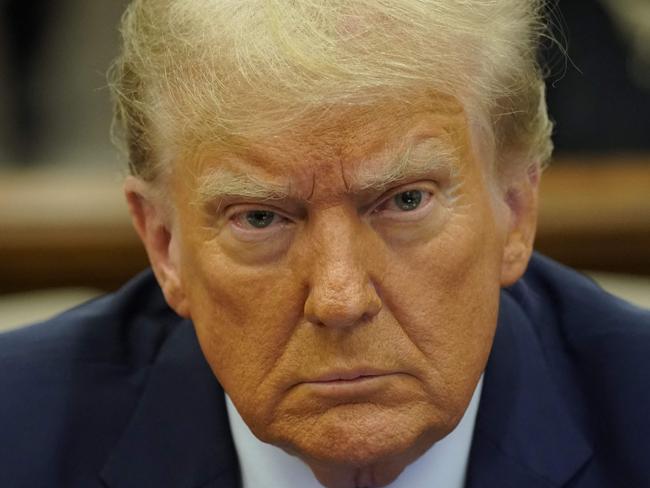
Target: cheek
(244, 316)
(445, 295)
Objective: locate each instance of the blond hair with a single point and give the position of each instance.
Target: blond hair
(193, 72)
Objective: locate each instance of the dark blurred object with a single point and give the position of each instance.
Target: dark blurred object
(597, 103)
(54, 106)
(25, 24)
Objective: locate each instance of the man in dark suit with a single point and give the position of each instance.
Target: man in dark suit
(117, 393)
(338, 200)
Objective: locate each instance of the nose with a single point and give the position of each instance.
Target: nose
(342, 292)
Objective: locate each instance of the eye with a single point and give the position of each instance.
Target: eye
(250, 223)
(409, 202)
(260, 219)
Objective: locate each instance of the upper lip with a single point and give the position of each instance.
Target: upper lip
(347, 374)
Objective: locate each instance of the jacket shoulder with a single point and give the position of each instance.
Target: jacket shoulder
(597, 347)
(69, 385)
(124, 327)
(584, 316)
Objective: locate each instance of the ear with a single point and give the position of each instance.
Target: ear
(151, 218)
(521, 197)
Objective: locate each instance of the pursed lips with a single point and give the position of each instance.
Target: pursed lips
(350, 385)
(348, 375)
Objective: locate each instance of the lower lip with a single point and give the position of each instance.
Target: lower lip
(356, 387)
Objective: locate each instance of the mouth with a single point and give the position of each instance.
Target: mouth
(350, 384)
(348, 376)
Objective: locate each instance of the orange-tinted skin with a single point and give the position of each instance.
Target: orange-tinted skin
(343, 280)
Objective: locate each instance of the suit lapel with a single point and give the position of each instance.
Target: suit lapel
(179, 434)
(524, 434)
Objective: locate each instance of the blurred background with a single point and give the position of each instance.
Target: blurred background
(65, 235)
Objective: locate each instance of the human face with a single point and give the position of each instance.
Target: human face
(344, 278)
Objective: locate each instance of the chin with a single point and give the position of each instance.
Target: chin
(363, 434)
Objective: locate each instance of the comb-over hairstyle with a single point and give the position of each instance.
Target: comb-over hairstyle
(194, 72)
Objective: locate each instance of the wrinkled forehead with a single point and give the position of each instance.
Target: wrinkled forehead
(333, 128)
(353, 132)
(368, 146)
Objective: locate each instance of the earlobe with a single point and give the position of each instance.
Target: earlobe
(152, 221)
(515, 259)
(521, 199)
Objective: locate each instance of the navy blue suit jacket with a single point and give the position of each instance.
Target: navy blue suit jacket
(116, 393)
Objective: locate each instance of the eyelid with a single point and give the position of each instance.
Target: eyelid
(231, 210)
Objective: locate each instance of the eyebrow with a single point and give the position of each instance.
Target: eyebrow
(440, 157)
(224, 183)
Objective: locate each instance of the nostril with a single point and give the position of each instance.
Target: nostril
(372, 309)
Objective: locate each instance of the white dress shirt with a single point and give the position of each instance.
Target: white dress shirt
(265, 466)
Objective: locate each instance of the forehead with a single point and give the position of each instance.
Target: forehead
(342, 140)
(353, 132)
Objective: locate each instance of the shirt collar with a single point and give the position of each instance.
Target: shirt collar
(265, 465)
